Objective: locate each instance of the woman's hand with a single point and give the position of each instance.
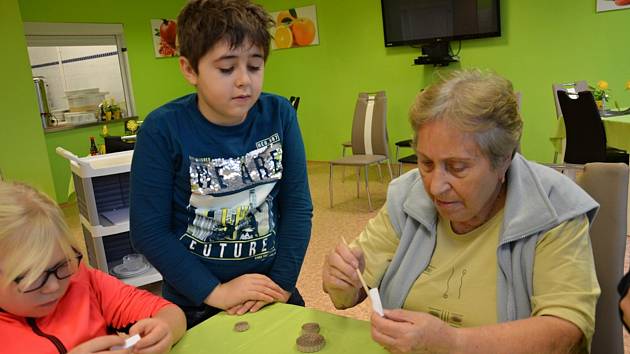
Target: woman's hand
(402, 331)
(340, 279)
(101, 345)
(240, 290)
(155, 336)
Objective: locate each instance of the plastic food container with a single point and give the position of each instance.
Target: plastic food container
(78, 118)
(85, 99)
(87, 91)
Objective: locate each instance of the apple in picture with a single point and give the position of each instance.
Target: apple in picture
(168, 32)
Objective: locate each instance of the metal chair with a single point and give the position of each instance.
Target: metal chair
(586, 136)
(411, 159)
(369, 139)
(295, 102)
(572, 88)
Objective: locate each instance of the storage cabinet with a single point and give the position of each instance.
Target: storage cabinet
(102, 187)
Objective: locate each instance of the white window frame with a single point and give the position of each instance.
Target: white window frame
(83, 34)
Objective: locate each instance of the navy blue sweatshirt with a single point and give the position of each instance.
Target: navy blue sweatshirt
(210, 203)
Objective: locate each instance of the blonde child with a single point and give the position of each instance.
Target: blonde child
(50, 302)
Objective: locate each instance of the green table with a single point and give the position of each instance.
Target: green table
(618, 131)
(274, 329)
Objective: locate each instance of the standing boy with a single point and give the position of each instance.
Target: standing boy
(220, 203)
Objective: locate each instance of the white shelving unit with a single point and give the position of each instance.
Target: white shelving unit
(102, 186)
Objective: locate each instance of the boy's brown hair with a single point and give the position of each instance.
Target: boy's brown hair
(203, 23)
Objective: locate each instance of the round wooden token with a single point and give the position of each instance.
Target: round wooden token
(310, 327)
(310, 342)
(241, 326)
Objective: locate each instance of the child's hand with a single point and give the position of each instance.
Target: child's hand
(101, 345)
(253, 306)
(255, 287)
(155, 336)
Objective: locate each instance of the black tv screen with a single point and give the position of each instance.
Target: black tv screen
(408, 22)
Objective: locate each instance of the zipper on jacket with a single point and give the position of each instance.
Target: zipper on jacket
(60, 347)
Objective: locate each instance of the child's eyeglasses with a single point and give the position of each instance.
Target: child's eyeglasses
(61, 271)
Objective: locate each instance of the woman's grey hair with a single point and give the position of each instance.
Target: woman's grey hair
(475, 101)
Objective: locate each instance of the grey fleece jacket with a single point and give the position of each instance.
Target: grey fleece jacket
(538, 199)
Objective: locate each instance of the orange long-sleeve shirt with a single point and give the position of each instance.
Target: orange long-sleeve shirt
(95, 304)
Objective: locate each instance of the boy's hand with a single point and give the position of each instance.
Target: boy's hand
(101, 345)
(253, 306)
(240, 290)
(155, 336)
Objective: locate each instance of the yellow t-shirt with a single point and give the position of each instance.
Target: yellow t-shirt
(459, 284)
(564, 279)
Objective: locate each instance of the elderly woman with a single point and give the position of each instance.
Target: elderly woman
(478, 250)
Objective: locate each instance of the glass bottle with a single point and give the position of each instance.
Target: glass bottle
(93, 147)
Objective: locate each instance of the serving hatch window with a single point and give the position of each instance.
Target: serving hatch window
(77, 60)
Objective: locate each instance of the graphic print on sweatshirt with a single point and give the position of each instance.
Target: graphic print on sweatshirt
(230, 210)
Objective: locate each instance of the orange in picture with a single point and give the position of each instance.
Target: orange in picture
(283, 37)
(303, 31)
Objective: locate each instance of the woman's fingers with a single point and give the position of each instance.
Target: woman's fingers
(347, 255)
(341, 268)
(342, 280)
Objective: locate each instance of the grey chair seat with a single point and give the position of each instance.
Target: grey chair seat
(359, 160)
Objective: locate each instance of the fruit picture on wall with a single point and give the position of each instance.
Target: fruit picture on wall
(607, 5)
(165, 38)
(295, 27)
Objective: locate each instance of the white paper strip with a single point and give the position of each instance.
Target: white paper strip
(129, 342)
(376, 301)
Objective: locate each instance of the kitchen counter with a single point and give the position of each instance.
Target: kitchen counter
(72, 126)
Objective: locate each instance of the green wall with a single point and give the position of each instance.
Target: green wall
(22, 149)
(154, 81)
(542, 42)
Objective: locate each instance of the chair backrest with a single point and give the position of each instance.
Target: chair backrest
(572, 88)
(369, 125)
(586, 137)
(519, 100)
(295, 101)
(116, 144)
(607, 183)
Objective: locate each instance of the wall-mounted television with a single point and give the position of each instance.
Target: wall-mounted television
(409, 22)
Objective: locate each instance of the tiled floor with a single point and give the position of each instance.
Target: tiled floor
(347, 218)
